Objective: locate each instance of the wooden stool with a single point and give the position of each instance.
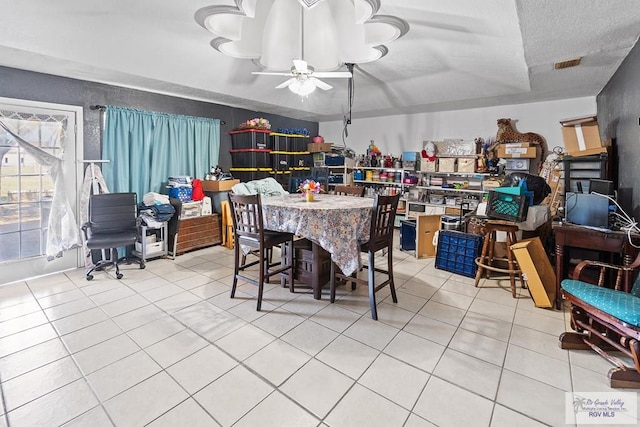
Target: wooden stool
(486, 258)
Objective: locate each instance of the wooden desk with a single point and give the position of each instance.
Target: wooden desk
(570, 236)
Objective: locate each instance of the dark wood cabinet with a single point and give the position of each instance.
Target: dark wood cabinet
(198, 232)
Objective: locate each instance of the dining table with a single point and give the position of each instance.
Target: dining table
(339, 224)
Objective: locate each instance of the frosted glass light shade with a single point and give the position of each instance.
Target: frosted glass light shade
(270, 32)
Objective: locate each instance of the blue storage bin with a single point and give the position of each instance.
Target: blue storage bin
(181, 193)
(334, 160)
(408, 235)
(457, 252)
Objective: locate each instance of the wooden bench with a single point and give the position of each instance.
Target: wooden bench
(605, 319)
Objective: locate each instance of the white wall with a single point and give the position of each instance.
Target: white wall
(395, 134)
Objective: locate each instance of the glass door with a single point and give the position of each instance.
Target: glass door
(39, 142)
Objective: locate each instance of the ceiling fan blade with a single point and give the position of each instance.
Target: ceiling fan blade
(333, 74)
(319, 83)
(300, 65)
(286, 84)
(266, 73)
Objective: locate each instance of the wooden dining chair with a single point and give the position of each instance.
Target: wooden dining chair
(349, 190)
(249, 233)
(383, 217)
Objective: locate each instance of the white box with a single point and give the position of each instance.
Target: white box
(191, 209)
(206, 207)
(151, 248)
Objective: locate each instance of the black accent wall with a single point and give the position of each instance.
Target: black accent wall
(21, 84)
(619, 119)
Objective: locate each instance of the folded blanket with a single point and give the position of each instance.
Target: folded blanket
(151, 199)
(264, 187)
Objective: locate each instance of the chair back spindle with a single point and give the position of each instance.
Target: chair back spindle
(383, 219)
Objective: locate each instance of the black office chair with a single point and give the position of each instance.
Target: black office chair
(249, 232)
(380, 238)
(112, 224)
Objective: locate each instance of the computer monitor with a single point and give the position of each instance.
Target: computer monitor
(602, 186)
(587, 209)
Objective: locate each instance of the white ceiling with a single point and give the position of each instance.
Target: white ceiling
(457, 54)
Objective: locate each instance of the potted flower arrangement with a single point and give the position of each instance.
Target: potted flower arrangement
(256, 123)
(309, 188)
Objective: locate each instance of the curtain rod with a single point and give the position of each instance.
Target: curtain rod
(104, 107)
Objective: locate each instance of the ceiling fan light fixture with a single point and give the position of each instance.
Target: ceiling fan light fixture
(302, 87)
(309, 3)
(325, 33)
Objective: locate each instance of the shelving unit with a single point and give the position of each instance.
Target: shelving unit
(578, 171)
(339, 175)
(145, 249)
(420, 200)
(373, 179)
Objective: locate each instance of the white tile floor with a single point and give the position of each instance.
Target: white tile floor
(166, 346)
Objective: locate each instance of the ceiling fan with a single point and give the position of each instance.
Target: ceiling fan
(304, 79)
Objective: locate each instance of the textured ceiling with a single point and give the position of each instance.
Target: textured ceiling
(457, 54)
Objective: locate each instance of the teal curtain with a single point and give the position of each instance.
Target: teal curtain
(145, 148)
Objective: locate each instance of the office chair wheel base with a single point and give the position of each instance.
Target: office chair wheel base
(119, 276)
(89, 277)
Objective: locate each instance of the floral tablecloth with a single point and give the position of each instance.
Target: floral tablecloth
(337, 223)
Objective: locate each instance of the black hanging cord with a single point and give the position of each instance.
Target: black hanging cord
(350, 95)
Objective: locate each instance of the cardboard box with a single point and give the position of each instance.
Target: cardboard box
(582, 136)
(427, 225)
(537, 271)
(219, 185)
(508, 151)
(323, 147)
(410, 156)
(490, 183)
(517, 164)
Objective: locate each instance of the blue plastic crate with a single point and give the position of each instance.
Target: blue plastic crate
(457, 252)
(181, 193)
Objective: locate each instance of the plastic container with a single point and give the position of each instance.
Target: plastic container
(509, 207)
(436, 199)
(250, 138)
(301, 160)
(181, 193)
(250, 174)
(251, 158)
(408, 235)
(334, 160)
(453, 200)
(457, 252)
(450, 222)
(280, 160)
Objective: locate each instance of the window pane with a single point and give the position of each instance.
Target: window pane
(26, 189)
(30, 243)
(9, 246)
